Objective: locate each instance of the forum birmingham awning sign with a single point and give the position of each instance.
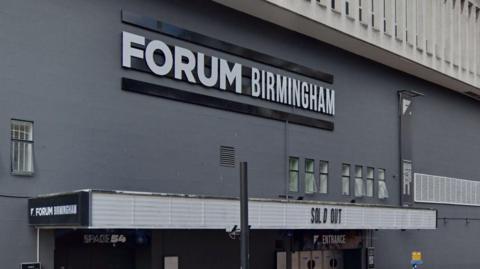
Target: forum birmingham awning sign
(210, 71)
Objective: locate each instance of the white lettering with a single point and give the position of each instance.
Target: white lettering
(321, 100)
(255, 82)
(232, 75)
(270, 86)
(184, 67)
(128, 51)
(296, 92)
(330, 102)
(305, 95)
(313, 97)
(281, 89)
(154, 46)
(208, 82)
(160, 58)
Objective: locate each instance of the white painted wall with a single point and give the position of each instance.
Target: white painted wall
(441, 36)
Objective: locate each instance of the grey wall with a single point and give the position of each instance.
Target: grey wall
(61, 68)
(90, 134)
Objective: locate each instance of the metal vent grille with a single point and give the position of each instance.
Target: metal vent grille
(473, 95)
(446, 190)
(227, 156)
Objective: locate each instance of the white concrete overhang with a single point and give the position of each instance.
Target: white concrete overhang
(268, 11)
(142, 210)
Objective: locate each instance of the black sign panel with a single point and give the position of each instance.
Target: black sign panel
(60, 210)
(406, 117)
(30, 265)
(132, 85)
(332, 239)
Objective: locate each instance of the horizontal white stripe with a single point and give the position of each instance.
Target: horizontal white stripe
(116, 210)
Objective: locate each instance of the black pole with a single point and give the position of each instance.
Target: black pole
(244, 230)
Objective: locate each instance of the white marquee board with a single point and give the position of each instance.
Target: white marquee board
(136, 210)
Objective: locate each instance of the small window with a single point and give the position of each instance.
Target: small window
(310, 184)
(336, 6)
(22, 147)
(323, 177)
(382, 186)
(369, 183)
(293, 176)
(359, 184)
(345, 179)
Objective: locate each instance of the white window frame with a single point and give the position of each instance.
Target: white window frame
(369, 182)
(21, 148)
(290, 170)
(382, 184)
(309, 178)
(346, 179)
(359, 186)
(323, 177)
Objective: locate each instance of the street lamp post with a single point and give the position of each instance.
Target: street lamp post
(244, 229)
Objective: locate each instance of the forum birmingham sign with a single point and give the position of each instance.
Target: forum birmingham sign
(215, 72)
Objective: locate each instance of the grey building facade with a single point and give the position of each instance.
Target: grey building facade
(62, 70)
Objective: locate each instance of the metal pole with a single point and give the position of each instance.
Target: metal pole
(244, 230)
(38, 244)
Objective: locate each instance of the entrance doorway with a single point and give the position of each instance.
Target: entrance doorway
(324, 249)
(100, 249)
(94, 257)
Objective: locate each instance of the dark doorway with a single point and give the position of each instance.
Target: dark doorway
(87, 249)
(94, 257)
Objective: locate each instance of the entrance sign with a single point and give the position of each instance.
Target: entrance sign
(216, 64)
(336, 240)
(66, 209)
(180, 63)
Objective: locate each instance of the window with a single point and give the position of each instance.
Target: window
(336, 6)
(359, 184)
(382, 186)
(293, 177)
(345, 179)
(22, 147)
(369, 182)
(347, 8)
(323, 177)
(310, 184)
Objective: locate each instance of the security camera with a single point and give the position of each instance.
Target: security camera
(231, 229)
